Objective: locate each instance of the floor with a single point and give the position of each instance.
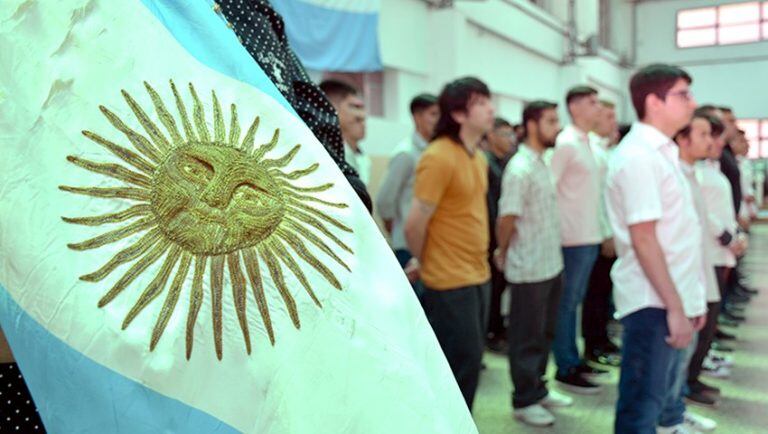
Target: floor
(742, 410)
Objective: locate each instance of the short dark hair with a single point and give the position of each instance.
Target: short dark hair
(501, 122)
(455, 97)
(624, 130)
(337, 89)
(608, 104)
(534, 110)
(707, 109)
(725, 109)
(655, 79)
(715, 123)
(422, 102)
(718, 127)
(579, 92)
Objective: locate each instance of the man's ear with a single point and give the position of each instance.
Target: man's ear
(652, 103)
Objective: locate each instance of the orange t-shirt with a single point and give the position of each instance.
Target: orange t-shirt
(455, 252)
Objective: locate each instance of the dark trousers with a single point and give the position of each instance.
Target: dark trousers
(457, 317)
(596, 310)
(496, 328)
(647, 362)
(706, 336)
(532, 323)
(403, 256)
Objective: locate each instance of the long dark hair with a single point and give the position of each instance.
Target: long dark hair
(455, 97)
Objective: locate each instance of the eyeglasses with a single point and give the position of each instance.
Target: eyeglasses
(684, 94)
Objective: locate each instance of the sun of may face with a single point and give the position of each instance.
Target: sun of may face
(207, 201)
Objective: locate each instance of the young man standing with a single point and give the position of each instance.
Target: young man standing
(658, 277)
(447, 228)
(501, 144)
(396, 191)
(528, 231)
(576, 168)
(351, 110)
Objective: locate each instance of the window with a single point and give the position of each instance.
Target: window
(734, 23)
(756, 131)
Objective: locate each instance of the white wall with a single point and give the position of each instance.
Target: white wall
(731, 75)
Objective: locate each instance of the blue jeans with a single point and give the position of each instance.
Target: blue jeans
(674, 407)
(647, 366)
(578, 262)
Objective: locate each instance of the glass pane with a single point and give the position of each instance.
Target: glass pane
(764, 129)
(696, 38)
(765, 27)
(764, 150)
(739, 33)
(751, 127)
(739, 13)
(754, 149)
(696, 18)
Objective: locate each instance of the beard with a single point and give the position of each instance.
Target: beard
(547, 142)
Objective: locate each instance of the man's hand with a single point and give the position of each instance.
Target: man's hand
(744, 223)
(608, 248)
(412, 270)
(388, 224)
(680, 329)
(499, 259)
(699, 322)
(739, 245)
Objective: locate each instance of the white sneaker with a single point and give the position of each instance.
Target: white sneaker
(721, 360)
(534, 415)
(677, 429)
(556, 400)
(697, 422)
(715, 371)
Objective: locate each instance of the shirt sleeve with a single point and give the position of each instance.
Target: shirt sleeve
(561, 158)
(514, 186)
(640, 191)
(399, 170)
(433, 175)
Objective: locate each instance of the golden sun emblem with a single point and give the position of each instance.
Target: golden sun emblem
(207, 201)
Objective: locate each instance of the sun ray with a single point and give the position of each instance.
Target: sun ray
(126, 155)
(170, 300)
(217, 284)
(115, 235)
(316, 189)
(319, 214)
(139, 210)
(238, 295)
(188, 131)
(195, 302)
(277, 277)
(284, 160)
(219, 131)
(296, 174)
(282, 254)
(317, 224)
(198, 115)
(155, 287)
(293, 226)
(141, 143)
(131, 193)
(150, 127)
(263, 149)
(250, 135)
(298, 246)
(136, 269)
(115, 171)
(252, 268)
(166, 118)
(297, 198)
(234, 127)
(126, 255)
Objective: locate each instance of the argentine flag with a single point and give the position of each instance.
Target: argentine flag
(178, 253)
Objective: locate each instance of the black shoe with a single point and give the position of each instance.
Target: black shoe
(733, 317)
(717, 346)
(725, 322)
(604, 358)
(587, 371)
(610, 347)
(498, 346)
(735, 308)
(701, 387)
(723, 336)
(576, 383)
(738, 298)
(748, 290)
(701, 398)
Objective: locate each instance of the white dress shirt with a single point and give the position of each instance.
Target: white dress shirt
(645, 184)
(359, 161)
(576, 168)
(717, 194)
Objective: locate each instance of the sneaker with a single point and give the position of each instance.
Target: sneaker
(604, 358)
(677, 429)
(576, 383)
(733, 316)
(710, 369)
(700, 386)
(719, 360)
(699, 423)
(718, 346)
(589, 372)
(556, 400)
(534, 415)
(723, 336)
(700, 398)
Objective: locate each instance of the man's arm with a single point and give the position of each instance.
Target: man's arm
(399, 169)
(651, 258)
(5, 350)
(416, 225)
(506, 229)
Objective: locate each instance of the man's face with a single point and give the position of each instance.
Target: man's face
(586, 108)
(351, 117)
(700, 140)
(739, 144)
(678, 105)
(548, 127)
(502, 139)
(426, 120)
(729, 120)
(606, 125)
(479, 116)
(718, 143)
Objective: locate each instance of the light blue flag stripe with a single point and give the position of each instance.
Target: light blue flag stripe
(107, 402)
(331, 40)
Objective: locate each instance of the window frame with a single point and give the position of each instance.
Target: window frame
(761, 23)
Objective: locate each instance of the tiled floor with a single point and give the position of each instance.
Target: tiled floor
(743, 409)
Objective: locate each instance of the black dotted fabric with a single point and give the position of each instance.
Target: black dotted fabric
(17, 410)
(262, 32)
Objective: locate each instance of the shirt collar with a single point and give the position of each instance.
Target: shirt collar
(527, 152)
(577, 133)
(651, 135)
(419, 141)
(688, 169)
